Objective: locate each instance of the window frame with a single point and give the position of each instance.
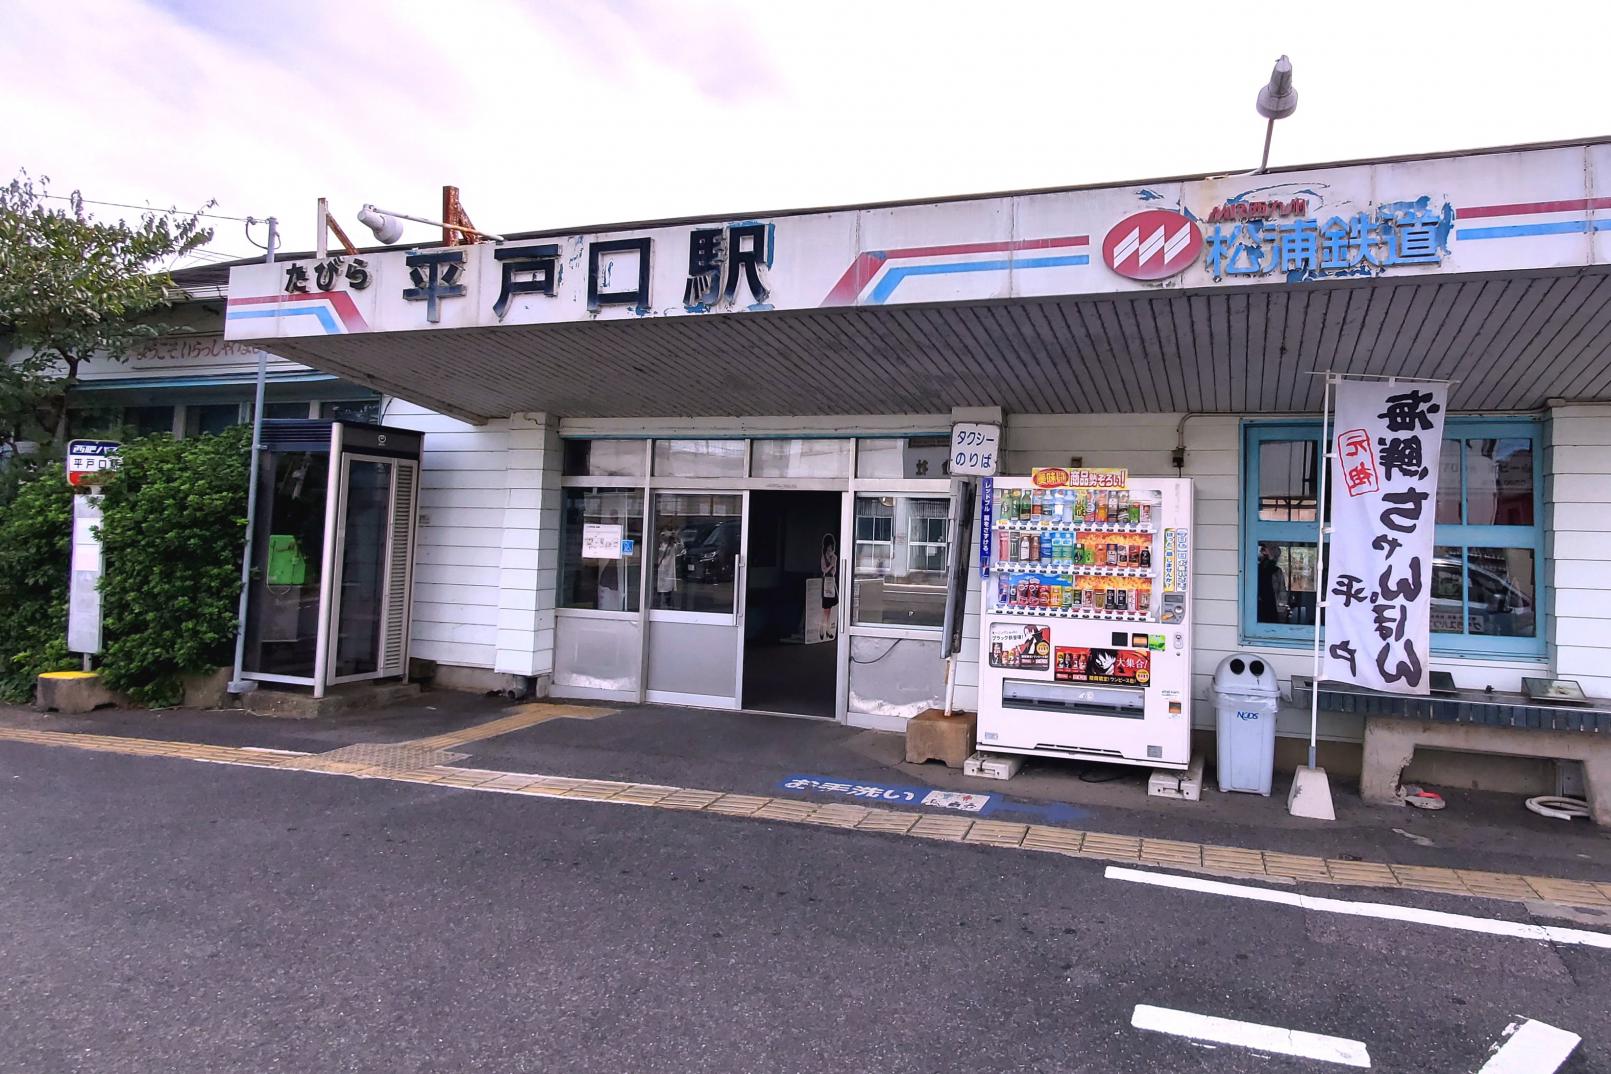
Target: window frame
(1462, 535)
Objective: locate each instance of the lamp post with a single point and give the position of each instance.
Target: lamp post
(1276, 100)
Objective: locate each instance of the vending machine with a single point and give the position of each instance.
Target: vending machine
(1085, 631)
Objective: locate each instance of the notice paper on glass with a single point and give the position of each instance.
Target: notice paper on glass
(600, 541)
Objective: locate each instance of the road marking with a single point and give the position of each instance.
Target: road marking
(1261, 1038)
(1530, 1047)
(1384, 911)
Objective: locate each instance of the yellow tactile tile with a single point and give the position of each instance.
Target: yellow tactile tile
(738, 805)
(638, 794)
(689, 800)
(886, 820)
(1496, 885)
(1572, 892)
(1171, 852)
(1367, 873)
(1053, 840)
(1235, 860)
(948, 828)
(838, 816)
(1116, 847)
(1425, 878)
(1297, 866)
(783, 809)
(996, 833)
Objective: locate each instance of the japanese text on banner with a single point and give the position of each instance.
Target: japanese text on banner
(1384, 477)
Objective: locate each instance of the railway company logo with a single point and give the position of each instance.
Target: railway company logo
(1152, 245)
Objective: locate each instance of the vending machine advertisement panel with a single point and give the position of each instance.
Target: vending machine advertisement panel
(1085, 634)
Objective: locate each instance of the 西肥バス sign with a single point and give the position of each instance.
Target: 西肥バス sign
(1384, 481)
(90, 462)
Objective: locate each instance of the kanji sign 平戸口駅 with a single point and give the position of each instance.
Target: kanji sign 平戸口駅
(1384, 473)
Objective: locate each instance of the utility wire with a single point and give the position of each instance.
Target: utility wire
(150, 209)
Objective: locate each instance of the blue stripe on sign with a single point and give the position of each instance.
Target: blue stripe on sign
(1511, 231)
(321, 312)
(892, 279)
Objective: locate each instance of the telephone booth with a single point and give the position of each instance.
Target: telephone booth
(332, 553)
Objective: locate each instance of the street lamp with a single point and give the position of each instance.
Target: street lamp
(1276, 100)
(455, 223)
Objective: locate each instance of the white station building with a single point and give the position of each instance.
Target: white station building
(644, 442)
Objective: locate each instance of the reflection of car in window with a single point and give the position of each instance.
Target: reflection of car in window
(1494, 604)
(713, 557)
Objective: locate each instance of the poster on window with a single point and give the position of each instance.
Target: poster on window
(1384, 482)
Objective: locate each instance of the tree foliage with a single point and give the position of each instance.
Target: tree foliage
(73, 287)
(36, 528)
(173, 525)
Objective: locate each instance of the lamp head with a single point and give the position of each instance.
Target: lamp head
(1278, 99)
(387, 229)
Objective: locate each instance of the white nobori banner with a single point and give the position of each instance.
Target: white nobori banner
(1386, 439)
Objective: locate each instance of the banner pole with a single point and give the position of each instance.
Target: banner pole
(1320, 563)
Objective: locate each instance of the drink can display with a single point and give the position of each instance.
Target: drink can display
(1146, 513)
(1143, 599)
(1113, 554)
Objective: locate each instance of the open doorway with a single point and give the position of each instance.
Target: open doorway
(793, 584)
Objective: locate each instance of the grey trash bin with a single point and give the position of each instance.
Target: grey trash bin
(1246, 697)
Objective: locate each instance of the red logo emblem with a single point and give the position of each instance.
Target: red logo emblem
(1152, 245)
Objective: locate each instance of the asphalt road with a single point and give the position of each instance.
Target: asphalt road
(176, 916)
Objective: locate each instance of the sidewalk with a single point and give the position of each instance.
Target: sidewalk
(824, 763)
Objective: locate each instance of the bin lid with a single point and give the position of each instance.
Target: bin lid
(1247, 675)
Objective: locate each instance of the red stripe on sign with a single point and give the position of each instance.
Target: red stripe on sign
(1529, 208)
(867, 264)
(344, 306)
(990, 247)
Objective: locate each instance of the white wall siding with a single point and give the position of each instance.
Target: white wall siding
(529, 554)
(1577, 503)
(459, 544)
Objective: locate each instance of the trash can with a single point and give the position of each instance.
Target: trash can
(1246, 697)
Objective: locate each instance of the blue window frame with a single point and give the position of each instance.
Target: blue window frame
(1488, 593)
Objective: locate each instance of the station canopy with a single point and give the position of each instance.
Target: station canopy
(1222, 294)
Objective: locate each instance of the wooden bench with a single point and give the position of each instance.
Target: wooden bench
(1472, 721)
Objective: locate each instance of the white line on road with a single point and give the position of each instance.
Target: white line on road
(1200, 1027)
(1529, 1047)
(1385, 911)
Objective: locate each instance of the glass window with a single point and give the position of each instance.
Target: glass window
(800, 458)
(903, 457)
(901, 558)
(211, 418)
(605, 582)
(282, 622)
(696, 546)
(364, 410)
(1486, 563)
(285, 410)
(604, 458)
(145, 420)
(1287, 579)
(1287, 486)
(699, 458)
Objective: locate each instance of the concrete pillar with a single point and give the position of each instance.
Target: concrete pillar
(528, 574)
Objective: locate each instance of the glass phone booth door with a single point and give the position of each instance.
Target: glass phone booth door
(369, 586)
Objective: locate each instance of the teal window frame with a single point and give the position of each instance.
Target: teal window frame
(1461, 535)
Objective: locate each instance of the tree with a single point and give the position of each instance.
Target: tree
(72, 288)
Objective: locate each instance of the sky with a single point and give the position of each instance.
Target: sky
(551, 115)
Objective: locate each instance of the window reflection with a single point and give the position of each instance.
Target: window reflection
(697, 540)
(901, 558)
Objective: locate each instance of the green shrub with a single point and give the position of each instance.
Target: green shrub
(36, 531)
(174, 520)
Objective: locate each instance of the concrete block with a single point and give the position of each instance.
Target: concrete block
(71, 692)
(292, 704)
(1311, 795)
(933, 736)
(208, 690)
